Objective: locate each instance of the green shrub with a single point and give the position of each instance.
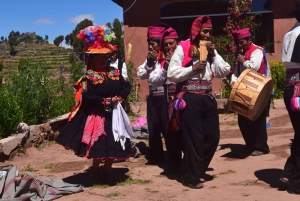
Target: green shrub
(278, 76)
(32, 95)
(131, 98)
(11, 113)
(76, 71)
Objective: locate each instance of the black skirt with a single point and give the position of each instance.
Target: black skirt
(105, 147)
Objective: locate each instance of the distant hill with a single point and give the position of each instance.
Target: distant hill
(30, 45)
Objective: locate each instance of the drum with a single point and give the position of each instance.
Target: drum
(250, 94)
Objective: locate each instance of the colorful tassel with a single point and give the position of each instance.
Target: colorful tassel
(295, 104)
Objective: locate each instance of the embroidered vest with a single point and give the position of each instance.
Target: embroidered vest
(248, 53)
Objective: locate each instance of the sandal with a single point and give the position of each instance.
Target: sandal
(189, 185)
(284, 180)
(257, 153)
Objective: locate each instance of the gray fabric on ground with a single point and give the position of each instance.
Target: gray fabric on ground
(29, 188)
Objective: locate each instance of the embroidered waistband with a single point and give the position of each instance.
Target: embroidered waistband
(292, 76)
(156, 91)
(198, 87)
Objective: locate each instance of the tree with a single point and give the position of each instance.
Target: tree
(57, 41)
(108, 24)
(12, 51)
(12, 33)
(119, 40)
(71, 39)
(2, 38)
(68, 39)
(46, 38)
(12, 41)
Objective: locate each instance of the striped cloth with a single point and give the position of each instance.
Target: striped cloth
(29, 188)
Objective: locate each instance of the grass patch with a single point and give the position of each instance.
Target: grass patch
(185, 190)
(28, 168)
(52, 142)
(113, 194)
(49, 166)
(151, 191)
(130, 181)
(100, 186)
(213, 187)
(160, 175)
(233, 123)
(245, 194)
(227, 172)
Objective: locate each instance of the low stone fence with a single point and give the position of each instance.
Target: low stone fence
(30, 136)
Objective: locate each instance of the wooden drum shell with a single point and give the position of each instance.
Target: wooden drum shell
(250, 94)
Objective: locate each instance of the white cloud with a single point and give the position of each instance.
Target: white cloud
(79, 18)
(44, 21)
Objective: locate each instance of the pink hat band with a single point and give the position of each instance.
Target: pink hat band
(240, 34)
(170, 33)
(155, 32)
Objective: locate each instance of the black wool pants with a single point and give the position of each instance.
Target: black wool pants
(255, 132)
(200, 134)
(157, 117)
(292, 165)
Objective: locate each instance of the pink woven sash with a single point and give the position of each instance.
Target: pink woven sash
(94, 128)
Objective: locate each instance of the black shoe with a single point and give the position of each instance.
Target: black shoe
(189, 185)
(284, 180)
(296, 192)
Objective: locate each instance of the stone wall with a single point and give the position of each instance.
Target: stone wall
(30, 136)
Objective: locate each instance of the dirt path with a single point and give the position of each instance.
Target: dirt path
(233, 177)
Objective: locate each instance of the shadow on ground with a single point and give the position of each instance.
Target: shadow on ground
(237, 151)
(271, 177)
(117, 175)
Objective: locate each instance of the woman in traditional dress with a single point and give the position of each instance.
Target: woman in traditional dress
(88, 131)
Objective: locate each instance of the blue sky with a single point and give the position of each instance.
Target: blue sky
(54, 17)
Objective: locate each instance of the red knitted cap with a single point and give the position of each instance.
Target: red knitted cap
(200, 22)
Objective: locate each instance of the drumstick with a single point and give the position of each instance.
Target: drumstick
(203, 52)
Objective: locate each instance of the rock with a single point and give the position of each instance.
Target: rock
(7, 145)
(22, 128)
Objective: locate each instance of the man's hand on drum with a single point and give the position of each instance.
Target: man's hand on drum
(210, 48)
(231, 84)
(240, 58)
(199, 66)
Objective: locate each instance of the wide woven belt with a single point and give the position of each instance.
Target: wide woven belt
(156, 91)
(198, 87)
(292, 76)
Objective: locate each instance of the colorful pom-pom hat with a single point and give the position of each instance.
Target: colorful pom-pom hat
(97, 39)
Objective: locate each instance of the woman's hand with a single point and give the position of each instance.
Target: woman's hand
(114, 100)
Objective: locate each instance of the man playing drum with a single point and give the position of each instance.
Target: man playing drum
(291, 60)
(199, 120)
(251, 57)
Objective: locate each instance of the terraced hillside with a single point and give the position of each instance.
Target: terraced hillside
(53, 56)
